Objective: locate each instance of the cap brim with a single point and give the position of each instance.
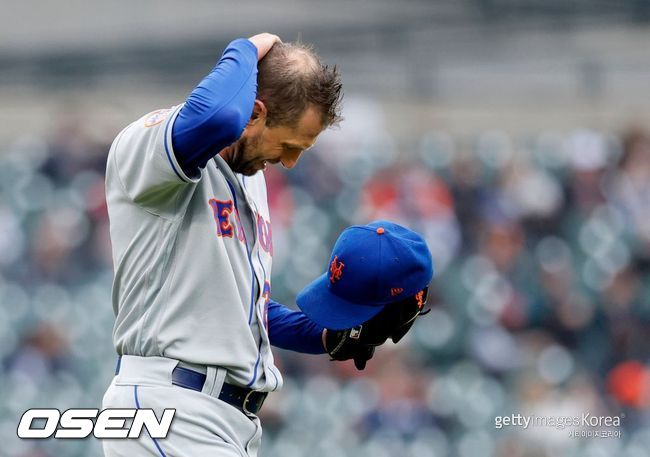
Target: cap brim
(326, 309)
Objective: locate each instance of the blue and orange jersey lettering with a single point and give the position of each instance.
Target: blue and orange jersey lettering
(221, 211)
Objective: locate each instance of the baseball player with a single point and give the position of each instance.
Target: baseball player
(192, 249)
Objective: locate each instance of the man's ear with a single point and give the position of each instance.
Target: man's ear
(259, 113)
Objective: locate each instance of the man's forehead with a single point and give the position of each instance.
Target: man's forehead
(298, 145)
(309, 127)
(304, 133)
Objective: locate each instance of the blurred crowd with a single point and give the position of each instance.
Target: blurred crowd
(540, 303)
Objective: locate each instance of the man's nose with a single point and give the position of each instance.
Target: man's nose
(290, 160)
(288, 163)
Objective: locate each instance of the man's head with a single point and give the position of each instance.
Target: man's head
(297, 98)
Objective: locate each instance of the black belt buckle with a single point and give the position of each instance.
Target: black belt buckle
(257, 400)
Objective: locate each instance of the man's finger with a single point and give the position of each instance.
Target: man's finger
(363, 355)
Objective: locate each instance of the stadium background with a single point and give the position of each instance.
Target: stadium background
(513, 134)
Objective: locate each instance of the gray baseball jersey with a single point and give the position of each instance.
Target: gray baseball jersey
(192, 257)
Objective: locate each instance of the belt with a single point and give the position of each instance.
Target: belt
(246, 400)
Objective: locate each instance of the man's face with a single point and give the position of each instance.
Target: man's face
(260, 144)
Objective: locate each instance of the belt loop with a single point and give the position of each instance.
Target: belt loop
(214, 379)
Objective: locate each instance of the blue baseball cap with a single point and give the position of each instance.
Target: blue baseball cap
(370, 266)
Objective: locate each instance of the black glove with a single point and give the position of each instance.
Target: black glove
(347, 344)
(358, 343)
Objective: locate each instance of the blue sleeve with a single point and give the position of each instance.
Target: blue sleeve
(293, 330)
(218, 109)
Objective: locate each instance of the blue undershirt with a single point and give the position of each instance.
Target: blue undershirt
(218, 109)
(293, 330)
(214, 117)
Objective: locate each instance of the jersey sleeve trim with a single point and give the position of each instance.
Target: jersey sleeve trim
(169, 151)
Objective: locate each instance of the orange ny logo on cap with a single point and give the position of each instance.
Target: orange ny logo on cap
(336, 270)
(419, 297)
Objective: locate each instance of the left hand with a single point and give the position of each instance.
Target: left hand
(347, 344)
(393, 321)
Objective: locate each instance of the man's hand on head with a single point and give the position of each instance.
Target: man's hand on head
(264, 42)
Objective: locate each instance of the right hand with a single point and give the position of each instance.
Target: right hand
(264, 42)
